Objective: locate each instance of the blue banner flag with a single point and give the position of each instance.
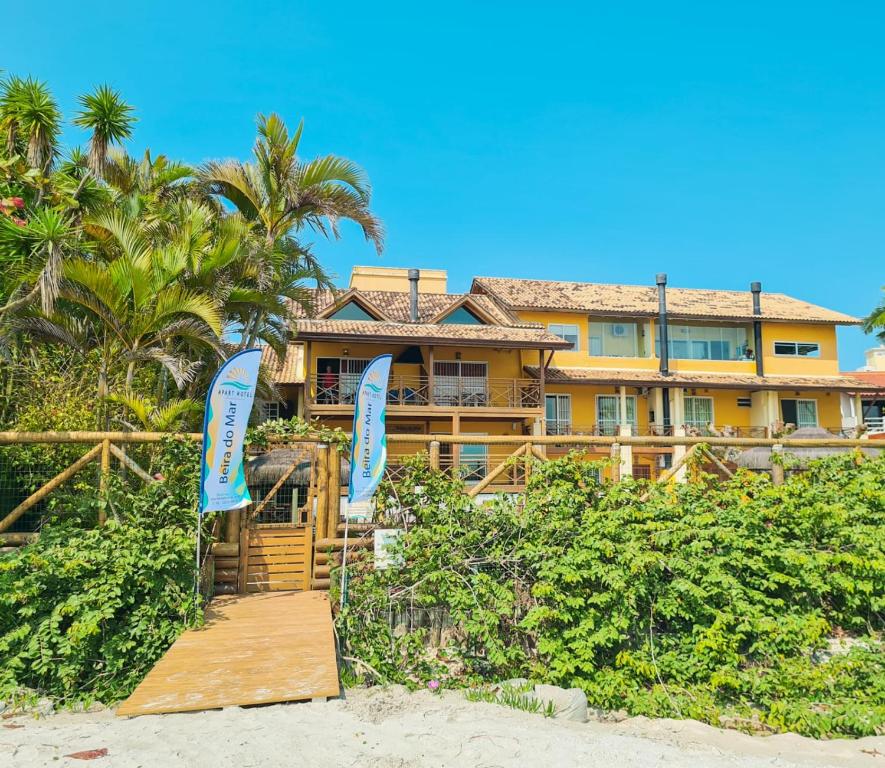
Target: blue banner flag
(228, 405)
(368, 456)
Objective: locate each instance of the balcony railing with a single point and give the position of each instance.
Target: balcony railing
(446, 391)
(875, 424)
(609, 429)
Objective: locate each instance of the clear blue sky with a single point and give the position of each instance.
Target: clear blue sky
(721, 143)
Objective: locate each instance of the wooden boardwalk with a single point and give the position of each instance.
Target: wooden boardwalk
(254, 649)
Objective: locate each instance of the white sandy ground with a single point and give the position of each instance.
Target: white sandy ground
(390, 728)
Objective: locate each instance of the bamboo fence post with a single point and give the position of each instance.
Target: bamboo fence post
(322, 519)
(715, 459)
(43, 492)
(243, 570)
(616, 462)
(434, 455)
(527, 463)
(487, 480)
(124, 458)
(670, 473)
(103, 481)
(777, 468)
(334, 513)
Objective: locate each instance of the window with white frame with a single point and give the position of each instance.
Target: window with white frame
(796, 349)
(705, 342)
(698, 411)
(566, 332)
(798, 411)
(270, 411)
(619, 339)
(608, 413)
(558, 414)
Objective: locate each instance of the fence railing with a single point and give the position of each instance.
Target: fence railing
(484, 462)
(442, 391)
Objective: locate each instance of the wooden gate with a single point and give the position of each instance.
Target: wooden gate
(278, 558)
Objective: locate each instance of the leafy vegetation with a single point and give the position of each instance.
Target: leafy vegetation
(86, 611)
(744, 603)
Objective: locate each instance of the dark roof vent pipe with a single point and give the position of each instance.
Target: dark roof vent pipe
(414, 276)
(756, 290)
(661, 280)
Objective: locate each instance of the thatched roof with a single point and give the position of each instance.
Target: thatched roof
(760, 458)
(269, 467)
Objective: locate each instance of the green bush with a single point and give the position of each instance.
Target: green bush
(85, 612)
(712, 601)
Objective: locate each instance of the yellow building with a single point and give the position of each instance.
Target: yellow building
(534, 357)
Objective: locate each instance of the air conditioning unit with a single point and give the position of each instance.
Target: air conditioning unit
(619, 329)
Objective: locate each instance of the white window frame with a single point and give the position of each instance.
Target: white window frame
(796, 347)
(577, 334)
(816, 412)
(559, 397)
(270, 410)
(634, 423)
(712, 420)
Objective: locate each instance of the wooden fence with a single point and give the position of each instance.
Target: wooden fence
(507, 463)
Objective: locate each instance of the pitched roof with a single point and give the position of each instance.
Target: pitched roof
(394, 305)
(646, 378)
(874, 380)
(290, 370)
(425, 333)
(642, 300)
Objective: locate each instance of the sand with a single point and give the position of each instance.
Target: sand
(390, 728)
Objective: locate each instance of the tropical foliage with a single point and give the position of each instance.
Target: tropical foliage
(148, 270)
(875, 322)
(741, 603)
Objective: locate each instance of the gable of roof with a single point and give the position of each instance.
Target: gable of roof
(337, 303)
(394, 305)
(642, 301)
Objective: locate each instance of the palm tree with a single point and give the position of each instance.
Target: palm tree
(875, 323)
(31, 121)
(33, 253)
(279, 196)
(110, 119)
(131, 309)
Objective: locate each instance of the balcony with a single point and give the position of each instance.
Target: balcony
(442, 392)
(611, 429)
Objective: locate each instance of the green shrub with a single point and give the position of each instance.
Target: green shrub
(85, 612)
(708, 601)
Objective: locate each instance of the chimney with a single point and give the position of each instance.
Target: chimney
(756, 290)
(414, 276)
(661, 280)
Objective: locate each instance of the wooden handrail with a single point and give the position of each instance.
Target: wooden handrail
(9, 438)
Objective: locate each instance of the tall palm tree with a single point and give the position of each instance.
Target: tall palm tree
(279, 196)
(130, 309)
(30, 120)
(110, 119)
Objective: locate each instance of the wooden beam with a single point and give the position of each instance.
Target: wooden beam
(693, 451)
(497, 471)
(616, 462)
(430, 374)
(456, 447)
(434, 454)
(42, 492)
(715, 459)
(777, 467)
(124, 458)
(322, 521)
(103, 479)
(334, 513)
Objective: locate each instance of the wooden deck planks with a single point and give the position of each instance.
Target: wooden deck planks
(254, 649)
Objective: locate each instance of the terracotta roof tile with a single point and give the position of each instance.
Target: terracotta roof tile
(395, 305)
(418, 333)
(290, 370)
(643, 301)
(634, 377)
